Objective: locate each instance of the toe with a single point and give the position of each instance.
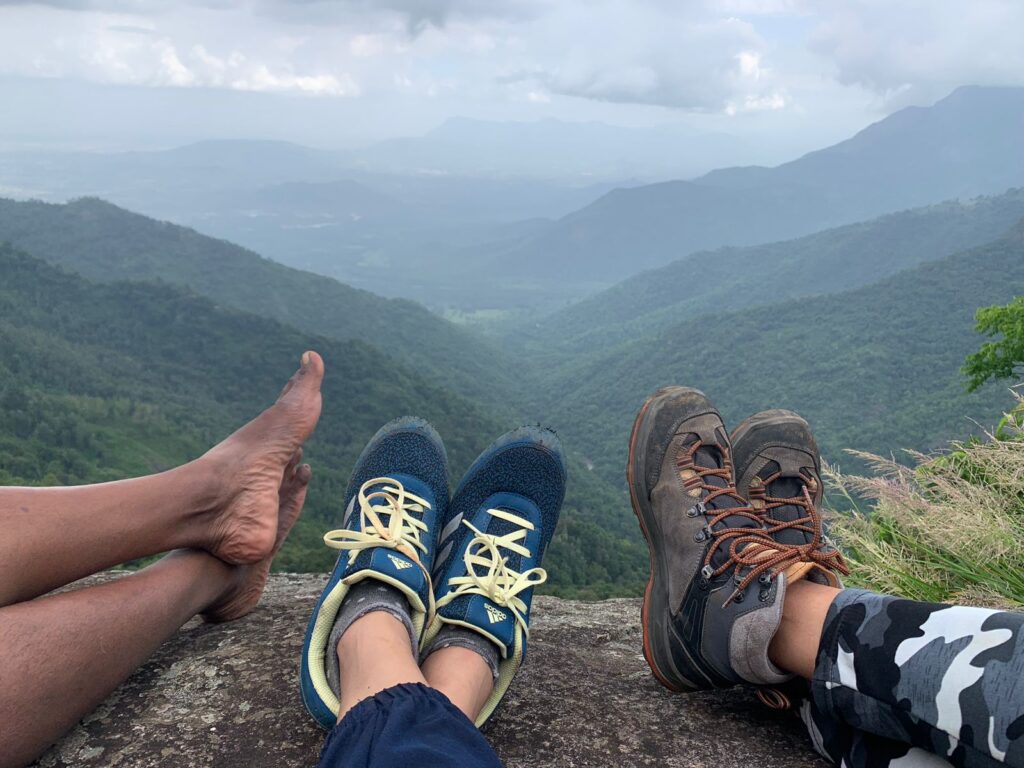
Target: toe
(293, 464)
(307, 378)
(301, 399)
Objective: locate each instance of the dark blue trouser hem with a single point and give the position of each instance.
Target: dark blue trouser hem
(406, 726)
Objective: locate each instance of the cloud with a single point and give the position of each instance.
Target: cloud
(125, 50)
(726, 57)
(652, 54)
(418, 15)
(919, 50)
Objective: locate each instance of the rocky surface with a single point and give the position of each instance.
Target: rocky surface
(227, 696)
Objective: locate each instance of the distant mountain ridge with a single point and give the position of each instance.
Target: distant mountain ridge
(730, 279)
(551, 148)
(967, 144)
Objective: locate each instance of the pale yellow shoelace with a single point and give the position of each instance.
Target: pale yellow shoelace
(487, 569)
(402, 531)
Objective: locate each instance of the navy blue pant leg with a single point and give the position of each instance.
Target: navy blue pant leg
(407, 726)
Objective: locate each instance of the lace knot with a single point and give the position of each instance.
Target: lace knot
(488, 572)
(390, 517)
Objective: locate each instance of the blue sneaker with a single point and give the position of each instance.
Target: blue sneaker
(499, 523)
(397, 496)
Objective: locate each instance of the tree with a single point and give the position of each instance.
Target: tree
(997, 359)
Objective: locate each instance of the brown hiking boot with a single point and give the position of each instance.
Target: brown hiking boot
(778, 470)
(714, 599)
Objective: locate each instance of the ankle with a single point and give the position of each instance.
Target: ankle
(214, 580)
(202, 495)
(461, 674)
(373, 634)
(794, 647)
(373, 655)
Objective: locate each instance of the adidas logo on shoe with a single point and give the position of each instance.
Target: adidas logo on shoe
(494, 614)
(399, 563)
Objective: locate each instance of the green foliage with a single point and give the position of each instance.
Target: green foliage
(946, 530)
(827, 262)
(101, 382)
(997, 359)
(104, 243)
(872, 369)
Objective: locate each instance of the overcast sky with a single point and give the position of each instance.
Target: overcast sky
(792, 73)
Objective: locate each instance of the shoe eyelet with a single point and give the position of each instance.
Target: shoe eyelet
(764, 579)
(738, 598)
(692, 512)
(763, 595)
(699, 536)
(707, 572)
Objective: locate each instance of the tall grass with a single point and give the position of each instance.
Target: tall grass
(950, 528)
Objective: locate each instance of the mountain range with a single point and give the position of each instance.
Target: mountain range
(556, 149)
(876, 368)
(965, 145)
(409, 225)
(730, 279)
(129, 344)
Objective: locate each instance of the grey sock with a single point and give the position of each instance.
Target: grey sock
(460, 637)
(365, 597)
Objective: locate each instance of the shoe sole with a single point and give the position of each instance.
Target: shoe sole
(653, 614)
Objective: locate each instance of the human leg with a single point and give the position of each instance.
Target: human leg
(385, 694)
(375, 698)
(462, 675)
(224, 502)
(64, 653)
(944, 679)
(895, 682)
(373, 655)
(501, 519)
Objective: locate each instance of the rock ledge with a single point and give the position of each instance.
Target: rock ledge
(227, 696)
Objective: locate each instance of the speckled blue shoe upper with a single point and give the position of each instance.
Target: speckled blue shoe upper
(499, 525)
(393, 509)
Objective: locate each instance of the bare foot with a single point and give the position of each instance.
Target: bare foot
(251, 465)
(250, 580)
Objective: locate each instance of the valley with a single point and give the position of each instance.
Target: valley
(152, 302)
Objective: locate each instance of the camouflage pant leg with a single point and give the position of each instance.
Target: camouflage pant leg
(904, 684)
(848, 747)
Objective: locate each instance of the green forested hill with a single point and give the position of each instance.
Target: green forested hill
(731, 279)
(873, 369)
(105, 243)
(101, 381)
(106, 379)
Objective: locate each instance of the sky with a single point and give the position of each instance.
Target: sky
(793, 74)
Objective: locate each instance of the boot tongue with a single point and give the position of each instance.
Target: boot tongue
(789, 488)
(709, 458)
